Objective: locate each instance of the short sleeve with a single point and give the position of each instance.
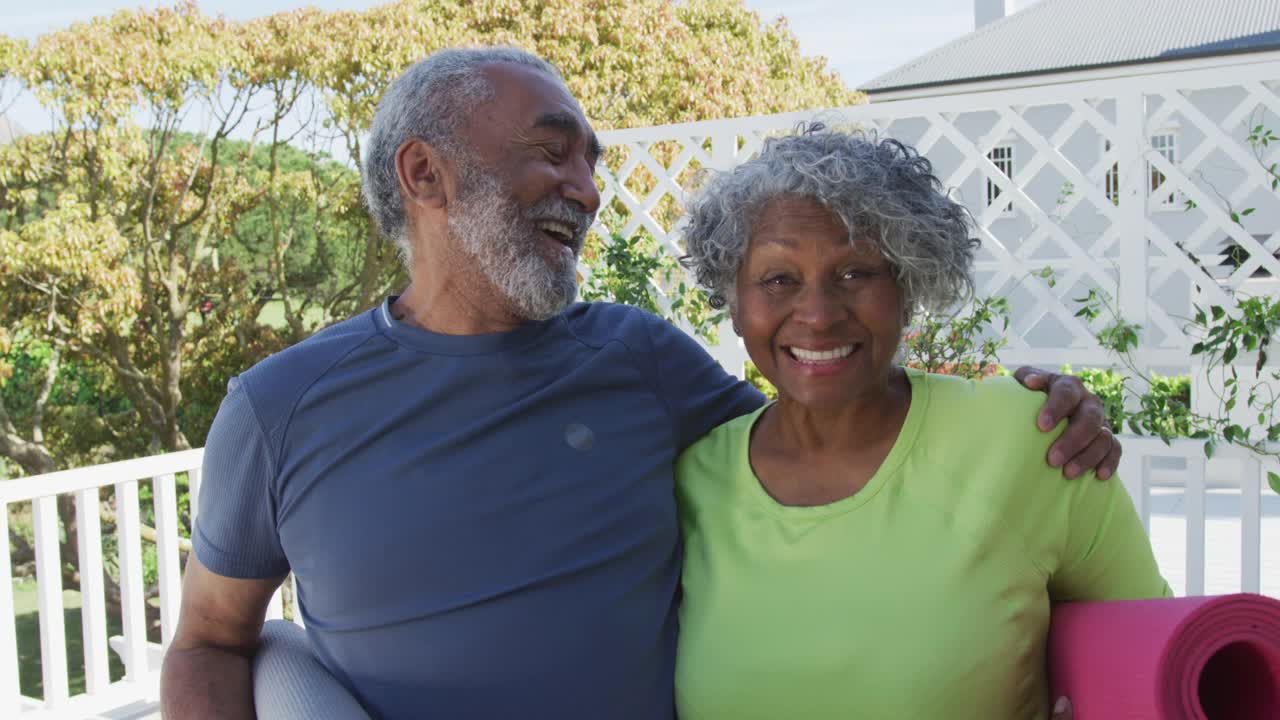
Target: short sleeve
(235, 534)
(1107, 554)
(699, 393)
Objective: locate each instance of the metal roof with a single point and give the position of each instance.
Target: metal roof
(1057, 35)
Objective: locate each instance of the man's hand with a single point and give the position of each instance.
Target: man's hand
(1062, 709)
(1087, 443)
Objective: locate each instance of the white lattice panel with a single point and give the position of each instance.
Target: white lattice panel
(1156, 240)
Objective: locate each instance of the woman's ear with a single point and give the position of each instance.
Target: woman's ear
(733, 319)
(420, 169)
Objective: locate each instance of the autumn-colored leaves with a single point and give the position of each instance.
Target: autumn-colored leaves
(157, 216)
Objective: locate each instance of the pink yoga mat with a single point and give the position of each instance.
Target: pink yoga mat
(1201, 658)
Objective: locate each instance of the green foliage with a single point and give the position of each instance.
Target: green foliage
(965, 344)
(298, 238)
(627, 270)
(1111, 388)
(227, 339)
(1260, 139)
(1164, 408)
(636, 271)
(761, 383)
(1248, 327)
(1117, 335)
(86, 420)
(1225, 336)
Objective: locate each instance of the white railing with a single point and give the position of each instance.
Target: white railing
(1214, 524)
(87, 488)
(1201, 548)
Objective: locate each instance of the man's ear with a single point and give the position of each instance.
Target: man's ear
(421, 171)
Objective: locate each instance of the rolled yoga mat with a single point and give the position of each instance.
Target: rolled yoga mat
(1201, 658)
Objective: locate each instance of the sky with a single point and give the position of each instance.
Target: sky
(861, 39)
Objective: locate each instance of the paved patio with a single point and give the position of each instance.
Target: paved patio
(1222, 540)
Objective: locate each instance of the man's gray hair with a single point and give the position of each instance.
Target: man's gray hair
(881, 190)
(429, 101)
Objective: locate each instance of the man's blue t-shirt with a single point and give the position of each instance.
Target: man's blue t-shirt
(480, 526)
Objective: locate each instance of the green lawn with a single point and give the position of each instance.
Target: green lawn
(273, 314)
(25, 604)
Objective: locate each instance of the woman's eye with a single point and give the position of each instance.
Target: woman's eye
(854, 274)
(777, 281)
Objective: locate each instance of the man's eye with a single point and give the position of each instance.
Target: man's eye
(555, 151)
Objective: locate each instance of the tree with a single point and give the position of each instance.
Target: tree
(200, 169)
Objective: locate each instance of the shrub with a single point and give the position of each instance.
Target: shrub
(964, 344)
(1163, 411)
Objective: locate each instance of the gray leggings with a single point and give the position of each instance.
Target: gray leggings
(289, 683)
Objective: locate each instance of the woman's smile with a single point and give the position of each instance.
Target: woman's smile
(822, 363)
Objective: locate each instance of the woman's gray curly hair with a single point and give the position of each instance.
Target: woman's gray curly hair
(881, 190)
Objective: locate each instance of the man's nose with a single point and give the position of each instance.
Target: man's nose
(580, 187)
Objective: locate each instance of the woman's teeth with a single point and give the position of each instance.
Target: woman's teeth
(821, 356)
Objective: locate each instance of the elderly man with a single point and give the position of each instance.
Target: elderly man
(472, 483)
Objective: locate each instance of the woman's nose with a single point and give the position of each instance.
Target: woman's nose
(820, 307)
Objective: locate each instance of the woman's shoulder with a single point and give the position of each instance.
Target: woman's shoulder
(985, 405)
(987, 460)
(988, 423)
(718, 454)
(723, 441)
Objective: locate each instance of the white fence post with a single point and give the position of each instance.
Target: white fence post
(53, 633)
(193, 495)
(1194, 502)
(1132, 223)
(1251, 525)
(93, 601)
(1133, 473)
(10, 694)
(165, 501)
(132, 589)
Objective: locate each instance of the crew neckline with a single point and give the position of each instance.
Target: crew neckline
(442, 344)
(902, 447)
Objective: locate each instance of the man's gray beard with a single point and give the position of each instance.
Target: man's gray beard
(488, 225)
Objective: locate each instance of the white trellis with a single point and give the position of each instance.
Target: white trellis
(1153, 260)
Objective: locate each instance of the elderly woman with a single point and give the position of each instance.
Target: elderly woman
(880, 542)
